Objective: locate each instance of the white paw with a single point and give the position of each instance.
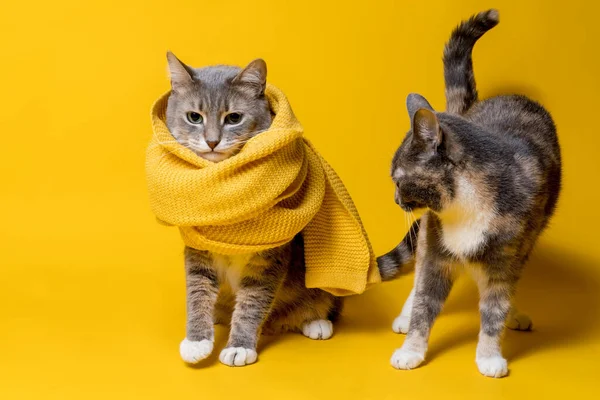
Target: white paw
(519, 322)
(238, 356)
(193, 352)
(401, 323)
(406, 359)
(494, 367)
(318, 329)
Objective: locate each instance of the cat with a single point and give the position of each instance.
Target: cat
(488, 174)
(213, 111)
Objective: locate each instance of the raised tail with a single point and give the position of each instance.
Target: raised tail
(461, 91)
(398, 260)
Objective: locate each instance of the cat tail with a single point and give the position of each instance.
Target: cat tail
(461, 92)
(398, 260)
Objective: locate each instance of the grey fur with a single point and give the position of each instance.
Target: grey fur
(461, 92)
(265, 292)
(398, 260)
(502, 156)
(215, 92)
(270, 296)
(414, 102)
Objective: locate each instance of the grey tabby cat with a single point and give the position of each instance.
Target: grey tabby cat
(489, 174)
(214, 111)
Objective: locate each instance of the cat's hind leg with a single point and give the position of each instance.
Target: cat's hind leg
(319, 329)
(311, 312)
(402, 321)
(494, 306)
(518, 321)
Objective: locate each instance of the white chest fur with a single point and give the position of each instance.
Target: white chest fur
(230, 268)
(466, 221)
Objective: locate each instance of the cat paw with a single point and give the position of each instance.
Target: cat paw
(238, 356)
(401, 323)
(494, 367)
(519, 322)
(193, 352)
(406, 359)
(319, 329)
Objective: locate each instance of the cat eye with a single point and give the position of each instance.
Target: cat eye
(233, 118)
(194, 117)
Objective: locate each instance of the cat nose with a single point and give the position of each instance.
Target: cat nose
(212, 143)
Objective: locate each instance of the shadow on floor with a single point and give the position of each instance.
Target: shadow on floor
(559, 290)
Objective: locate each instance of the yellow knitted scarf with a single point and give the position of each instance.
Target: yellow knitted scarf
(259, 199)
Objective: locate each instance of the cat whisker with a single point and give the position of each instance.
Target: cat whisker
(416, 219)
(250, 135)
(167, 153)
(413, 220)
(162, 143)
(418, 222)
(407, 221)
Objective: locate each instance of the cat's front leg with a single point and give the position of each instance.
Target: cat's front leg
(254, 299)
(202, 290)
(433, 284)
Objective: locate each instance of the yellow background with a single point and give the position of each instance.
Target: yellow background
(92, 289)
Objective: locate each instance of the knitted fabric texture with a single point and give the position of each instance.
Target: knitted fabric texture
(276, 187)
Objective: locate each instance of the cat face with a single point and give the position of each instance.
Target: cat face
(215, 110)
(422, 168)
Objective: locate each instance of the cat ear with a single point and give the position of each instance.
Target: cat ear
(253, 77)
(178, 71)
(414, 102)
(426, 128)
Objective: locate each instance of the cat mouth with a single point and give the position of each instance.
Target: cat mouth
(217, 155)
(410, 205)
(214, 156)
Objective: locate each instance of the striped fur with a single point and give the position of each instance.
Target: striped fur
(461, 92)
(259, 293)
(398, 260)
(489, 175)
